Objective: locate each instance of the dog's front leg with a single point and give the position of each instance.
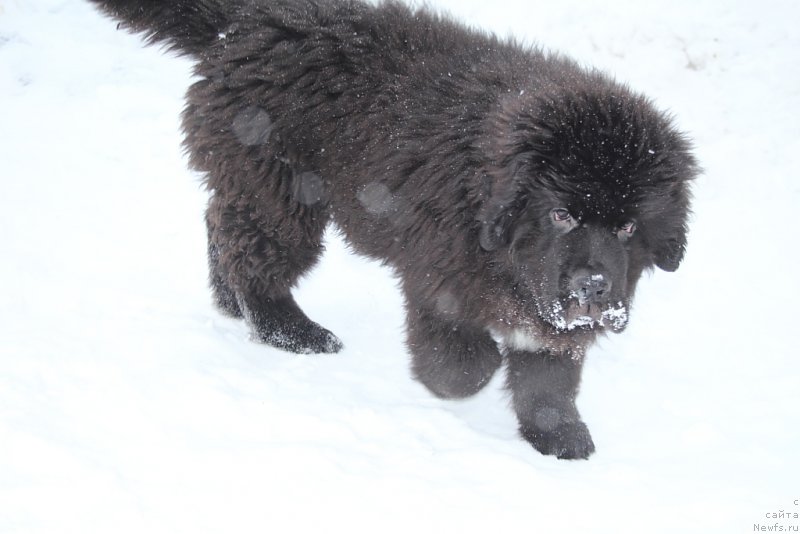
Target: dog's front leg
(452, 360)
(544, 385)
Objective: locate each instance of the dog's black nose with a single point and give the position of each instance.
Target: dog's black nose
(590, 287)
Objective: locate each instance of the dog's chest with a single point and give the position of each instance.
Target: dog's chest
(518, 339)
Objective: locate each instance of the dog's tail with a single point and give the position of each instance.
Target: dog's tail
(186, 26)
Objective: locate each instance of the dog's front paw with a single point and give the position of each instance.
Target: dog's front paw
(567, 441)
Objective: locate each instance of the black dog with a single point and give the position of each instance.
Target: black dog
(518, 196)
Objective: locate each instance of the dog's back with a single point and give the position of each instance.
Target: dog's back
(312, 110)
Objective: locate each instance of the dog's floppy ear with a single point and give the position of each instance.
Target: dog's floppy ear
(669, 244)
(668, 255)
(501, 207)
(513, 134)
(496, 218)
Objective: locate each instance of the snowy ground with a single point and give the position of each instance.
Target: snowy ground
(128, 404)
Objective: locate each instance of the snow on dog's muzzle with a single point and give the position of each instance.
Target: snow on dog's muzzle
(577, 314)
(590, 287)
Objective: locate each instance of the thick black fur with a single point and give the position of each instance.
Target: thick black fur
(518, 196)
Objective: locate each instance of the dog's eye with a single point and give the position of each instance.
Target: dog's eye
(628, 228)
(560, 214)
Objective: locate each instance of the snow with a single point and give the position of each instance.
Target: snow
(128, 404)
(617, 316)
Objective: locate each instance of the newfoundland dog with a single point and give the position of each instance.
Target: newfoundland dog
(518, 196)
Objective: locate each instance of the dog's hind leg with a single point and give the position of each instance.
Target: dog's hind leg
(224, 295)
(260, 243)
(452, 360)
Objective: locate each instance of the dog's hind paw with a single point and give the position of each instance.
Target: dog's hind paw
(306, 339)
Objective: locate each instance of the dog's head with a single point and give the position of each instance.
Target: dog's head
(586, 190)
